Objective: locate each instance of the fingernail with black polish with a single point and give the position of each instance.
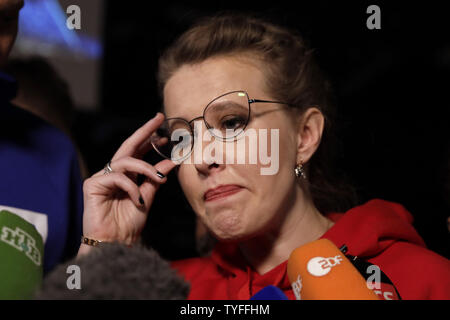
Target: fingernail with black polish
(159, 174)
(141, 201)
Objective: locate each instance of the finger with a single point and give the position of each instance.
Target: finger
(147, 145)
(130, 164)
(99, 173)
(165, 166)
(158, 141)
(107, 184)
(130, 146)
(149, 187)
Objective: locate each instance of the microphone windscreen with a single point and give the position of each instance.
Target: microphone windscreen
(320, 271)
(269, 293)
(21, 257)
(114, 271)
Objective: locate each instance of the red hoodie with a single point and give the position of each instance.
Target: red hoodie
(378, 232)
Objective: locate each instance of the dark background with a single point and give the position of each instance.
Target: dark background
(391, 87)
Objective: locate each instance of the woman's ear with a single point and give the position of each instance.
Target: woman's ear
(309, 133)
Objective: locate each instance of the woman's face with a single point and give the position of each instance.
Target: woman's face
(235, 201)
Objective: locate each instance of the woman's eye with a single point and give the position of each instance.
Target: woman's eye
(233, 122)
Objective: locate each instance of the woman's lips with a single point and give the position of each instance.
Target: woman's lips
(221, 192)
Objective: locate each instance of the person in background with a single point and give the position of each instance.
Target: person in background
(49, 98)
(39, 170)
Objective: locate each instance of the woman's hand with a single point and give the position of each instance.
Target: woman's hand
(115, 207)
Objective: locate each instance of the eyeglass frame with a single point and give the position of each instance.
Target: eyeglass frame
(250, 101)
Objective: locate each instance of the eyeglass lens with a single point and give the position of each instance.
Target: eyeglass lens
(225, 117)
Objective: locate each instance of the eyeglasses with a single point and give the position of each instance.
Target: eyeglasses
(226, 117)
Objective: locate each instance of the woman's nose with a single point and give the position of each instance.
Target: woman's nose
(208, 151)
(206, 169)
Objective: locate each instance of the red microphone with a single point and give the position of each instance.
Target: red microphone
(320, 271)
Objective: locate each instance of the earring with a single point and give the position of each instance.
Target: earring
(300, 171)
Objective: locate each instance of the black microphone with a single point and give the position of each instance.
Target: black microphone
(114, 271)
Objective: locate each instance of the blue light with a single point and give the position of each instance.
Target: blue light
(45, 21)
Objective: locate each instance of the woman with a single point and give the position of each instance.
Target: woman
(215, 70)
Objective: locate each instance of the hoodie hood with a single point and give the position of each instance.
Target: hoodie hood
(369, 229)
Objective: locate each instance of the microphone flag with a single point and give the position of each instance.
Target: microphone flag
(21, 257)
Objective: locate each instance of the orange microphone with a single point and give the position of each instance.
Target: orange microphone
(320, 271)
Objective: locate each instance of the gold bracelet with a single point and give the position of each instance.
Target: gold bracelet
(91, 242)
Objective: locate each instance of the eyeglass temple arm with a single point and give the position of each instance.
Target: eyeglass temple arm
(266, 101)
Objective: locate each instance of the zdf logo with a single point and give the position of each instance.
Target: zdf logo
(320, 266)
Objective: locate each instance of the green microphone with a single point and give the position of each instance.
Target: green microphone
(21, 257)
